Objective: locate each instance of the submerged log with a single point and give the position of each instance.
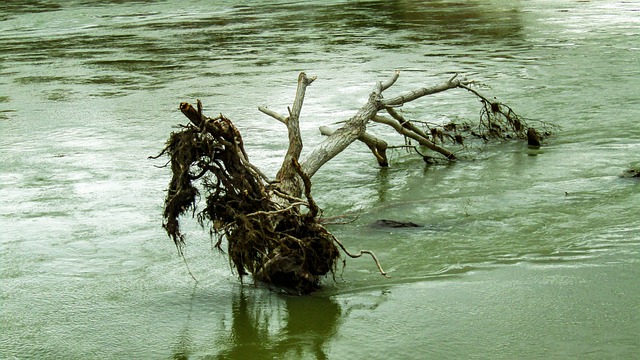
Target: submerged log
(385, 223)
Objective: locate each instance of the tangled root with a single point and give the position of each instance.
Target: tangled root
(267, 234)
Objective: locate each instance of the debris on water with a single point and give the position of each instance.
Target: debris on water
(533, 137)
(384, 223)
(631, 173)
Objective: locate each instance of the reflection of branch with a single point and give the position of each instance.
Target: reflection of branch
(272, 329)
(382, 297)
(181, 348)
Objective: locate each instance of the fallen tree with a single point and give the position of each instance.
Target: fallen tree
(273, 228)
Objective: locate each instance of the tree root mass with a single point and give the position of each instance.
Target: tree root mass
(267, 235)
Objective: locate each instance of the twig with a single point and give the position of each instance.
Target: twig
(273, 114)
(411, 134)
(360, 253)
(187, 265)
(387, 84)
(277, 211)
(257, 171)
(415, 94)
(377, 146)
(283, 195)
(464, 86)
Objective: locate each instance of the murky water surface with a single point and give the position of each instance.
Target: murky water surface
(523, 253)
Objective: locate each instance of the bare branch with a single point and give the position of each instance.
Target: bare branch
(293, 126)
(286, 196)
(273, 114)
(415, 94)
(355, 126)
(408, 133)
(360, 253)
(377, 146)
(466, 87)
(348, 133)
(387, 84)
(303, 82)
(406, 123)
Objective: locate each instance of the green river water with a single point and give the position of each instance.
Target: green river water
(524, 254)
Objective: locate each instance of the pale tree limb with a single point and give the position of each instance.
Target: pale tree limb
(406, 123)
(416, 94)
(356, 126)
(273, 114)
(377, 146)
(422, 140)
(349, 132)
(387, 84)
(293, 128)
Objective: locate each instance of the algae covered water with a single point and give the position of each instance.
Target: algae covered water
(521, 254)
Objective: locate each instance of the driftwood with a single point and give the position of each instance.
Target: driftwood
(273, 228)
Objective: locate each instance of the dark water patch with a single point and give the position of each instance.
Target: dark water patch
(5, 114)
(105, 3)
(394, 224)
(114, 47)
(132, 16)
(111, 93)
(60, 94)
(122, 73)
(10, 9)
(143, 66)
(42, 79)
(68, 46)
(115, 85)
(112, 80)
(425, 21)
(182, 23)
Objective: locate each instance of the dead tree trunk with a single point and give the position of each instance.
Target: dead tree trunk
(267, 232)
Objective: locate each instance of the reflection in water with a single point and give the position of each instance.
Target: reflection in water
(293, 326)
(382, 180)
(266, 325)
